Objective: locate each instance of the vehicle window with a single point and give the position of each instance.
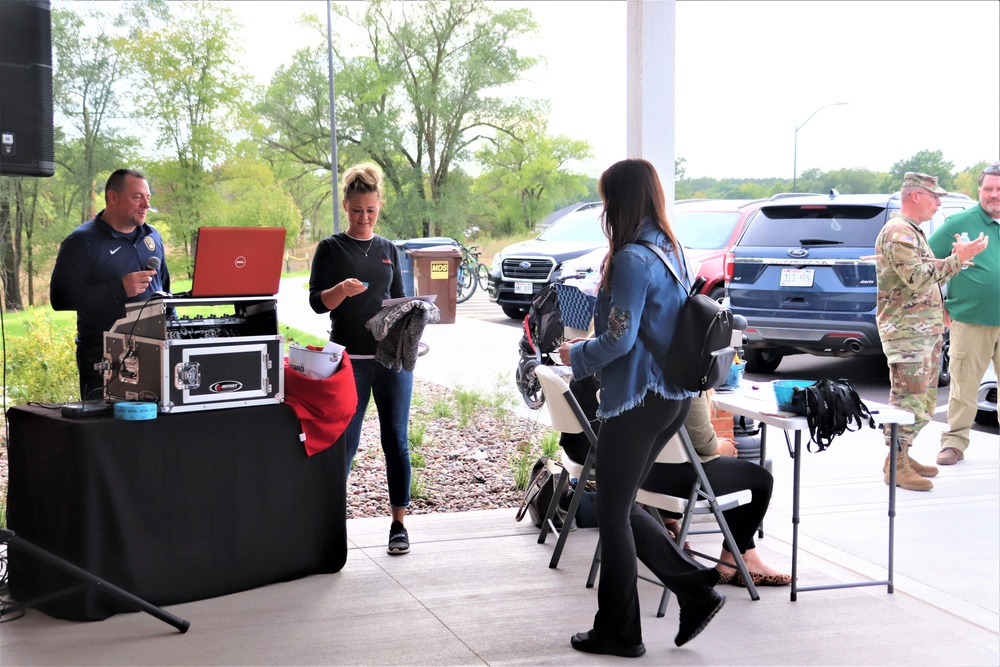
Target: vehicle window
(576, 226)
(704, 230)
(784, 226)
(939, 217)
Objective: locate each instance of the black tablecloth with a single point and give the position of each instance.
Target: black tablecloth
(180, 508)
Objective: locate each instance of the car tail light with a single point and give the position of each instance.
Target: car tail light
(728, 270)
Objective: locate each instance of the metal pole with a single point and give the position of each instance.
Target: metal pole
(795, 159)
(795, 154)
(333, 121)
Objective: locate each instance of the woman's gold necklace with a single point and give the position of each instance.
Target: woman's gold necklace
(358, 244)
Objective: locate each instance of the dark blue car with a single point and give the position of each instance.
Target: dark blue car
(803, 274)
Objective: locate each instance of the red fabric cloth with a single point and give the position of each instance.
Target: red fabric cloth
(324, 407)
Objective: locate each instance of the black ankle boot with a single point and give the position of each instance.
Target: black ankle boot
(588, 643)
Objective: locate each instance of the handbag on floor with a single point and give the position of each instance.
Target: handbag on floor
(538, 494)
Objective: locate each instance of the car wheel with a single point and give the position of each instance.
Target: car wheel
(944, 373)
(762, 361)
(986, 417)
(718, 293)
(514, 312)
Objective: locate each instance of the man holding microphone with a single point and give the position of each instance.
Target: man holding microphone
(104, 263)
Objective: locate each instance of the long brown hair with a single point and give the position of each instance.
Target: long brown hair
(631, 192)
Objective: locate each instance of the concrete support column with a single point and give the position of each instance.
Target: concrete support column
(649, 95)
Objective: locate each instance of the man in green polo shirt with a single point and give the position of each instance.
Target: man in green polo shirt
(973, 304)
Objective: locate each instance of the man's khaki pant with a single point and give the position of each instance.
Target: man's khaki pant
(972, 348)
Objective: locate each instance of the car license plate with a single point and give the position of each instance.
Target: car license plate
(797, 277)
(522, 288)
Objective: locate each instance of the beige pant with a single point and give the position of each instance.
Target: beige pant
(972, 348)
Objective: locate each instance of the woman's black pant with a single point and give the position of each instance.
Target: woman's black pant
(627, 446)
(726, 475)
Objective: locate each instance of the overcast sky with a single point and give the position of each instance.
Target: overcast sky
(917, 75)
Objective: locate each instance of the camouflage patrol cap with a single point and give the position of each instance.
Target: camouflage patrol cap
(918, 180)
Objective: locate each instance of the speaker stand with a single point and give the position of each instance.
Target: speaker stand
(13, 542)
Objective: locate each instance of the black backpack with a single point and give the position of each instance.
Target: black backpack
(701, 352)
(831, 407)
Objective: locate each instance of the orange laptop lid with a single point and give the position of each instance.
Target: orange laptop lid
(238, 261)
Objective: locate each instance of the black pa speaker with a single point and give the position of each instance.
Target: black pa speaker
(26, 127)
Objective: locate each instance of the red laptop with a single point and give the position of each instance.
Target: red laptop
(238, 261)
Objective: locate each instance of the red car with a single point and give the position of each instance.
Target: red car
(708, 228)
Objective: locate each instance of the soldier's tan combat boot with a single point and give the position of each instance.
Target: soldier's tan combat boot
(906, 477)
(919, 468)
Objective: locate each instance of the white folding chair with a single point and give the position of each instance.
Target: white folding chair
(566, 416)
(701, 500)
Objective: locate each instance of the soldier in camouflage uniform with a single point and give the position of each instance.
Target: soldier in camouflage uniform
(911, 316)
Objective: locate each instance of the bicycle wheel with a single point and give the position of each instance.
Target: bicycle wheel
(466, 280)
(483, 274)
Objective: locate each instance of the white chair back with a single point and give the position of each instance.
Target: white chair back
(673, 451)
(555, 388)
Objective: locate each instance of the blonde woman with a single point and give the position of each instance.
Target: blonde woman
(352, 273)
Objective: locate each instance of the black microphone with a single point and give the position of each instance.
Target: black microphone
(153, 264)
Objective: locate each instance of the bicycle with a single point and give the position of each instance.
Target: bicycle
(471, 273)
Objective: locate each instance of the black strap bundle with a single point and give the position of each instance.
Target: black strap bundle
(831, 407)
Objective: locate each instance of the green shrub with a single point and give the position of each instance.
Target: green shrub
(468, 401)
(416, 434)
(441, 408)
(521, 463)
(418, 488)
(550, 443)
(41, 361)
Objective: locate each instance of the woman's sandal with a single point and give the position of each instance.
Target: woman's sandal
(762, 579)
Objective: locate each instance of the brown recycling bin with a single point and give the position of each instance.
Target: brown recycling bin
(435, 271)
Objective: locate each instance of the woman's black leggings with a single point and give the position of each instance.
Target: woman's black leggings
(726, 475)
(627, 446)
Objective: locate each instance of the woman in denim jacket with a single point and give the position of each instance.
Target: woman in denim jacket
(640, 412)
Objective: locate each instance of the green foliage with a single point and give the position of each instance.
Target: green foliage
(468, 401)
(41, 360)
(415, 436)
(414, 93)
(550, 443)
(926, 162)
(442, 408)
(525, 174)
(521, 463)
(418, 487)
(195, 90)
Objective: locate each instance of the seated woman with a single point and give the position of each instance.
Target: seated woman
(726, 474)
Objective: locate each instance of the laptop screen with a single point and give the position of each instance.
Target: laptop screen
(238, 261)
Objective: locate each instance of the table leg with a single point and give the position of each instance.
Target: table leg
(763, 458)
(796, 476)
(894, 439)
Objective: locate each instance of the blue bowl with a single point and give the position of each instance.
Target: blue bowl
(783, 391)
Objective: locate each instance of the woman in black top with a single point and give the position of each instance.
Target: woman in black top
(352, 273)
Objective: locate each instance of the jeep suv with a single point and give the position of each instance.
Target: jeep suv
(522, 270)
(803, 274)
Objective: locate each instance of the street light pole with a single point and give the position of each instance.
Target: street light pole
(795, 154)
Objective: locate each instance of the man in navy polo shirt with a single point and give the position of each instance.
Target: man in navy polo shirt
(103, 264)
